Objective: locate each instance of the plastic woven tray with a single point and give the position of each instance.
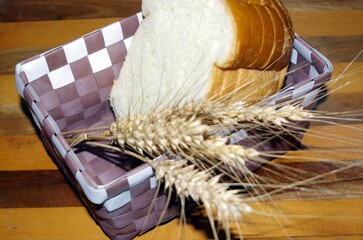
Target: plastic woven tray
(67, 88)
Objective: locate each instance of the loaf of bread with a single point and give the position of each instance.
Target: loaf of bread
(184, 50)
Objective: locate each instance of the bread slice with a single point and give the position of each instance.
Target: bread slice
(224, 50)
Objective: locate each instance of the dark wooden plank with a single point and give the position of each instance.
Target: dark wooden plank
(10, 57)
(16, 120)
(311, 5)
(47, 188)
(317, 180)
(338, 102)
(338, 48)
(35, 10)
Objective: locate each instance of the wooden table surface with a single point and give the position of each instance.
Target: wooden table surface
(36, 202)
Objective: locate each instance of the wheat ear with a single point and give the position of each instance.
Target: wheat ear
(215, 196)
(218, 114)
(188, 138)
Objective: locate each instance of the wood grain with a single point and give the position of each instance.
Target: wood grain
(316, 22)
(27, 189)
(48, 223)
(16, 119)
(313, 5)
(304, 222)
(35, 10)
(32, 10)
(37, 202)
(339, 49)
(26, 152)
(25, 35)
(9, 93)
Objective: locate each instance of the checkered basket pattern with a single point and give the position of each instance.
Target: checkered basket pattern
(67, 88)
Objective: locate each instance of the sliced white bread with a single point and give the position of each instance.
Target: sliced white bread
(223, 50)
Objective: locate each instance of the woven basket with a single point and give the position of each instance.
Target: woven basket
(67, 88)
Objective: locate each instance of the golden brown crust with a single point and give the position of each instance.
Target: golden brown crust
(247, 85)
(264, 34)
(263, 45)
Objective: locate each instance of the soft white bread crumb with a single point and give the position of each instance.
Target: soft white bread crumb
(172, 54)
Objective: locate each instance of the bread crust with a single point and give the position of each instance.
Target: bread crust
(259, 55)
(264, 35)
